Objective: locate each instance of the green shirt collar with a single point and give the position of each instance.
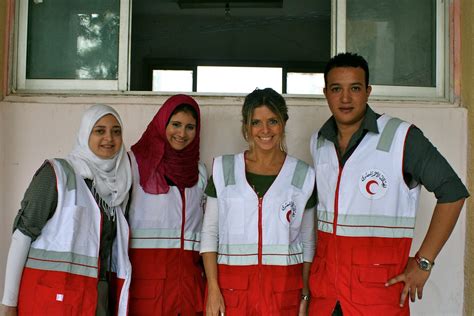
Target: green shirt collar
(329, 129)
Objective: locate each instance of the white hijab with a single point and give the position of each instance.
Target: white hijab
(111, 178)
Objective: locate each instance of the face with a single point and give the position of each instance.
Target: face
(266, 129)
(347, 95)
(105, 139)
(181, 130)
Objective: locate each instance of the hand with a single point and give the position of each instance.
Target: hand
(8, 310)
(303, 311)
(414, 279)
(215, 302)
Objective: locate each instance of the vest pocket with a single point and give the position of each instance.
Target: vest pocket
(146, 297)
(287, 294)
(56, 301)
(234, 289)
(372, 267)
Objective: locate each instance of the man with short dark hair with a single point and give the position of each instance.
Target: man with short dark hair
(369, 170)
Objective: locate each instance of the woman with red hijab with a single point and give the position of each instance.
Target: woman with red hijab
(166, 213)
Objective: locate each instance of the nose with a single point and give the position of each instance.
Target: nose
(108, 135)
(346, 96)
(182, 132)
(265, 127)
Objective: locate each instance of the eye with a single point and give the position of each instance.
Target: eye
(176, 124)
(273, 122)
(99, 131)
(255, 122)
(356, 88)
(190, 127)
(117, 131)
(335, 89)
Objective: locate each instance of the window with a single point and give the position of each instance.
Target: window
(174, 44)
(71, 44)
(403, 41)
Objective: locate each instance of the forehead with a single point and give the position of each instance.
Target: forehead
(262, 111)
(107, 120)
(346, 75)
(183, 116)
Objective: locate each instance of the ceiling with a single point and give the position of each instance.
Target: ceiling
(288, 8)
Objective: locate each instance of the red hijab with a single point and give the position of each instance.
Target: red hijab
(155, 157)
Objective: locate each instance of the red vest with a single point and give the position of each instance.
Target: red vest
(366, 220)
(260, 251)
(164, 249)
(61, 273)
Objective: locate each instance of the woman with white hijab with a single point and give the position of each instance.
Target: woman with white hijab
(69, 247)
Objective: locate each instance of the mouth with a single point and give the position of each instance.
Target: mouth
(107, 147)
(346, 109)
(180, 140)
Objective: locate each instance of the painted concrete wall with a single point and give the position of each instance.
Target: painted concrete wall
(467, 84)
(40, 127)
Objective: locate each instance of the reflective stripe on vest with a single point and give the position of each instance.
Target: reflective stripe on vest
(164, 238)
(271, 254)
(367, 225)
(62, 261)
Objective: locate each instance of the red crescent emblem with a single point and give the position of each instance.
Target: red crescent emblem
(369, 184)
(288, 215)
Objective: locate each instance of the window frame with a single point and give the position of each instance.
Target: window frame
(338, 44)
(338, 41)
(121, 83)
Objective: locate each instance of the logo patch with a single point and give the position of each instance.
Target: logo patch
(373, 184)
(288, 212)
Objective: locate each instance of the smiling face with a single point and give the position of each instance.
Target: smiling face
(181, 130)
(105, 139)
(266, 129)
(347, 95)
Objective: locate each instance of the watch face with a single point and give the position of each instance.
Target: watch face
(424, 264)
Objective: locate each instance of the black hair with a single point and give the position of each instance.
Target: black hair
(347, 60)
(186, 108)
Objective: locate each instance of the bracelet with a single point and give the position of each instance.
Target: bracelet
(305, 297)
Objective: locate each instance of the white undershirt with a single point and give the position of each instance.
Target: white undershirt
(210, 230)
(17, 255)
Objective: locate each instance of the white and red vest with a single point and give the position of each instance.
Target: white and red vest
(61, 272)
(260, 251)
(165, 244)
(366, 220)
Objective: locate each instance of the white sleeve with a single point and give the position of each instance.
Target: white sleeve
(17, 255)
(210, 226)
(308, 234)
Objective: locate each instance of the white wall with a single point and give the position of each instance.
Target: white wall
(39, 127)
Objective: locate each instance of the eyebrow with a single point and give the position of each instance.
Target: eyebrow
(103, 126)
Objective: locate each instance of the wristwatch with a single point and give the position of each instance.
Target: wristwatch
(423, 263)
(305, 297)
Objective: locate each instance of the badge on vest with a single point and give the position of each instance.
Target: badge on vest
(373, 184)
(287, 212)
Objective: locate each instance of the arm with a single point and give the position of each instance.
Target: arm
(423, 164)
(17, 255)
(308, 237)
(215, 302)
(442, 224)
(209, 241)
(37, 207)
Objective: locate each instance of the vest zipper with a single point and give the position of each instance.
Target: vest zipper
(182, 192)
(260, 200)
(336, 215)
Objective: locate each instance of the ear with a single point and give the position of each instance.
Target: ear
(324, 91)
(369, 90)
